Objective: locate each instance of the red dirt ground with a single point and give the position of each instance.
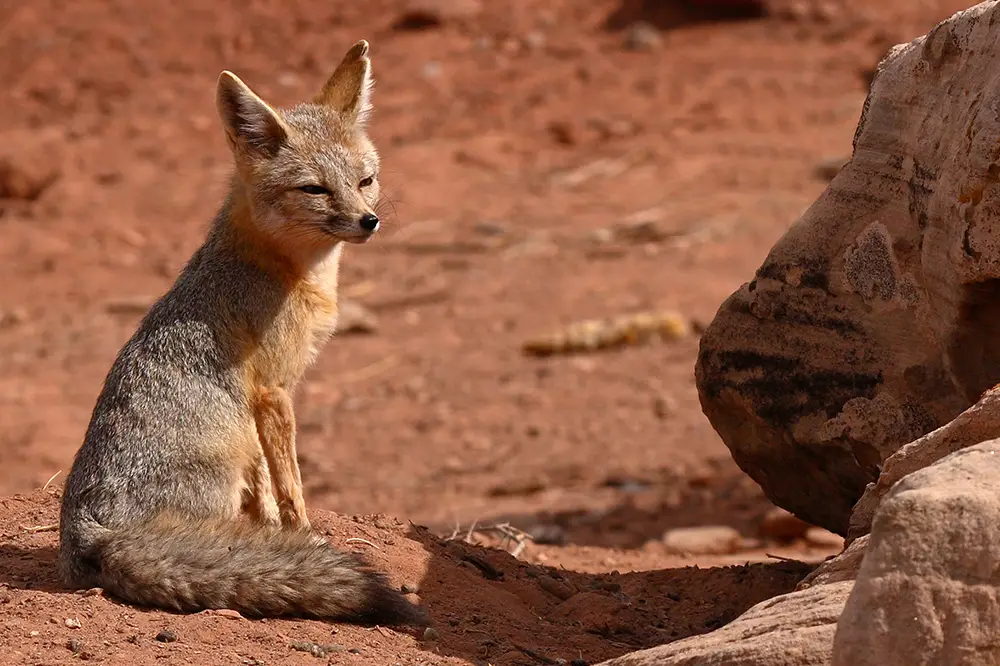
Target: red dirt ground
(519, 139)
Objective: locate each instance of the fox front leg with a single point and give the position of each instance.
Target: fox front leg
(275, 420)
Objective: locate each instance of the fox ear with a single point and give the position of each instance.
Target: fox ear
(248, 120)
(349, 88)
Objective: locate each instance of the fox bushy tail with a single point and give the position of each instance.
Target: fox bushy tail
(259, 571)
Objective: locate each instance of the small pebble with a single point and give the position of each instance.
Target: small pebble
(642, 231)
(704, 540)
(431, 69)
(129, 306)
(549, 534)
(166, 636)
(563, 133)
(72, 623)
(13, 317)
(288, 79)
(223, 612)
(534, 41)
(555, 588)
(663, 406)
(315, 649)
(427, 14)
(26, 179)
(409, 588)
(354, 651)
(641, 36)
(487, 228)
(431, 634)
(602, 235)
(352, 317)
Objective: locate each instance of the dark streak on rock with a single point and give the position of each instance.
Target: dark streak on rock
(783, 312)
(866, 201)
(921, 188)
(781, 388)
(863, 120)
(814, 274)
(969, 217)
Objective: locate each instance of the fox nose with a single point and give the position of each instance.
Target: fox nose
(369, 222)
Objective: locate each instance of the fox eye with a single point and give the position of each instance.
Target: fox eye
(314, 189)
(367, 181)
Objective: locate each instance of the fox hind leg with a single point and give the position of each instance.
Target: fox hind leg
(259, 502)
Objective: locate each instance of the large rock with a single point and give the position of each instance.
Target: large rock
(844, 566)
(976, 424)
(870, 322)
(794, 629)
(927, 593)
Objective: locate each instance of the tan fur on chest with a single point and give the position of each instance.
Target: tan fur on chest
(279, 348)
(293, 339)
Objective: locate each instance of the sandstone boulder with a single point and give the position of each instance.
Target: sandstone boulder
(977, 424)
(869, 323)
(794, 629)
(927, 593)
(840, 568)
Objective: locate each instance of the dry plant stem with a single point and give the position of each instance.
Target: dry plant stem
(508, 535)
(51, 479)
(364, 541)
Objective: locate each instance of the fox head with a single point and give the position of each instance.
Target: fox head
(310, 172)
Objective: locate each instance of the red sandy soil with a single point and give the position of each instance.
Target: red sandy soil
(484, 604)
(516, 138)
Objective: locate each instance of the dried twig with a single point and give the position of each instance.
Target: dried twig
(782, 558)
(469, 630)
(360, 540)
(51, 479)
(35, 529)
(468, 535)
(534, 655)
(512, 539)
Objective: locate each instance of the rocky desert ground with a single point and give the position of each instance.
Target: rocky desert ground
(546, 163)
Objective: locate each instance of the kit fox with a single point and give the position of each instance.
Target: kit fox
(186, 492)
